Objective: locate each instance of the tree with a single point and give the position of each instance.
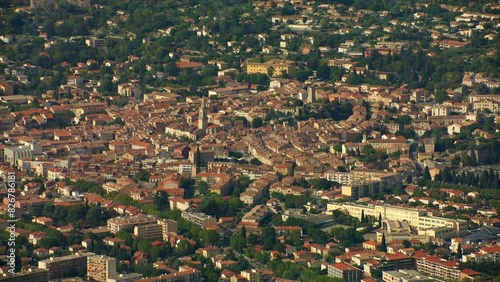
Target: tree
(404, 120)
(237, 242)
(409, 179)
(255, 161)
(323, 72)
(441, 96)
(141, 175)
(202, 187)
(74, 237)
(427, 174)
(183, 248)
(119, 121)
(244, 232)
(268, 238)
(270, 71)
(383, 245)
(256, 122)
(406, 243)
(161, 201)
(209, 237)
(41, 189)
(197, 159)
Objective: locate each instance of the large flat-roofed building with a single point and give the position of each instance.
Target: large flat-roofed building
(490, 105)
(12, 154)
(405, 275)
(66, 266)
(200, 219)
(185, 274)
(125, 277)
(40, 275)
(432, 226)
(129, 222)
(256, 214)
(364, 182)
(100, 268)
(149, 231)
(345, 272)
(448, 270)
(103, 269)
(479, 97)
(410, 215)
(271, 67)
(26, 206)
(168, 225)
(360, 190)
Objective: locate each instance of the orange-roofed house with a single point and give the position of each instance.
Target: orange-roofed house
(371, 245)
(470, 275)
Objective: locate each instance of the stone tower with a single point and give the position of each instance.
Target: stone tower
(202, 116)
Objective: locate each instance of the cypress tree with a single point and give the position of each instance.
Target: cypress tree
(427, 174)
(244, 232)
(198, 157)
(383, 246)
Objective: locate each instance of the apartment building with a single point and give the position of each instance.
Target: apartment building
(391, 262)
(405, 275)
(272, 68)
(386, 180)
(256, 214)
(168, 225)
(486, 254)
(254, 275)
(209, 177)
(12, 154)
(27, 206)
(389, 212)
(440, 110)
(492, 97)
(439, 268)
(149, 231)
(223, 186)
(344, 271)
(185, 274)
(65, 266)
(95, 42)
(100, 268)
(129, 222)
(427, 225)
(490, 105)
(200, 219)
(443, 227)
(360, 190)
(40, 275)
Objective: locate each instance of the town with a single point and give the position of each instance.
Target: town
(249, 141)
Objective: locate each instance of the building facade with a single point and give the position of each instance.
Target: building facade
(129, 222)
(271, 68)
(345, 272)
(65, 266)
(100, 268)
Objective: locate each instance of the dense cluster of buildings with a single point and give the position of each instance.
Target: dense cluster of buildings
(263, 118)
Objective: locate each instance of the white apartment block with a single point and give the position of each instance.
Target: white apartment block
(426, 225)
